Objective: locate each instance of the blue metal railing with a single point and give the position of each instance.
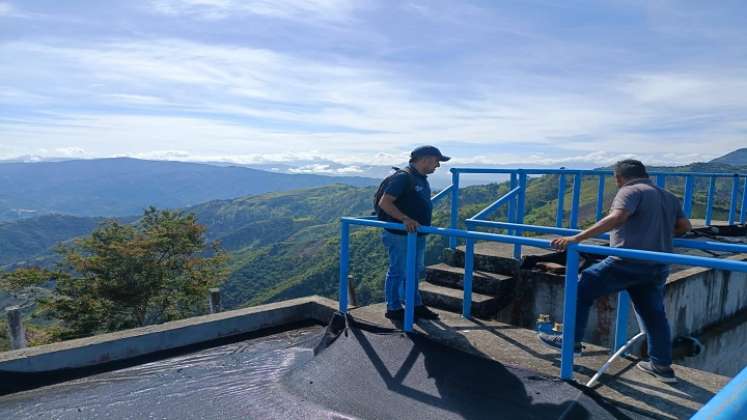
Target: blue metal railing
(516, 202)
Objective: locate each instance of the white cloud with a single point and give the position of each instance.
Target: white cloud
(299, 10)
(6, 9)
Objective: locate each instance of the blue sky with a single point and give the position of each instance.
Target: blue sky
(361, 82)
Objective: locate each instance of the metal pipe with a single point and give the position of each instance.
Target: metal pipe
(441, 195)
(661, 181)
(411, 280)
(215, 304)
(577, 179)
(600, 198)
(487, 211)
(512, 204)
(743, 210)
(561, 201)
(454, 206)
(730, 403)
(344, 249)
(617, 354)
(733, 202)
(709, 201)
(569, 312)
(585, 172)
(621, 320)
(469, 262)
(687, 206)
(520, 211)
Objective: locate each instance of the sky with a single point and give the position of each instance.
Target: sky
(332, 85)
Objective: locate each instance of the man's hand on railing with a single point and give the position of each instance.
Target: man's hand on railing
(562, 243)
(410, 225)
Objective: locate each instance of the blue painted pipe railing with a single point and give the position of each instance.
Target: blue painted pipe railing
(560, 212)
(730, 403)
(571, 280)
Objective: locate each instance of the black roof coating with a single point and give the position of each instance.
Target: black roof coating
(357, 372)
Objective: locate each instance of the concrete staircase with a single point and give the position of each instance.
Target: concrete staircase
(494, 281)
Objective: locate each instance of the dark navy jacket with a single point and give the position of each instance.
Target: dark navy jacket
(412, 200)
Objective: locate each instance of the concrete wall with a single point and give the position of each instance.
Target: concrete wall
(136, 342)
(696, 299)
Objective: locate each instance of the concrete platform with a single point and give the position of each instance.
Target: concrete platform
(483, 306)
(623, 385)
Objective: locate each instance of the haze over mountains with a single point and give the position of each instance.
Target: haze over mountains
(124, 186)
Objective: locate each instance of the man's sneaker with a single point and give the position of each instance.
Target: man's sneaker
(555, 341)
(662, 373)
(423, 312)
(395, 314)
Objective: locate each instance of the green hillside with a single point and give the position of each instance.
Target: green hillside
(286, 244)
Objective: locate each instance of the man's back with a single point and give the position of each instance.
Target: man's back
(652, 212)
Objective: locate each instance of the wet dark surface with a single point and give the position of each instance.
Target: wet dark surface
(370, 373)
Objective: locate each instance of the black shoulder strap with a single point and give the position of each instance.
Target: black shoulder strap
(408, 171)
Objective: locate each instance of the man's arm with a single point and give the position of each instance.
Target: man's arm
(614, 219)
(386, 203)
(682, 226)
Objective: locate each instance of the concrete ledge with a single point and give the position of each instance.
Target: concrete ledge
(121, 345)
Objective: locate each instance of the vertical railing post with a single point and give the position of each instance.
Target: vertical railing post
(733, 202)
(411, 280)
(344, 255)
(687, 206)
(561, 200)
(569, 312)
(15, 328)
(215, 303)
(512, 203)
(600, 197)
(469, 261)
(709, 201)
(621, 320)
(577, 179)
(661, 181)
(454, 206)
(743, 210)
(520, 201)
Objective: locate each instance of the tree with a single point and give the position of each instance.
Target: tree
(130, 275)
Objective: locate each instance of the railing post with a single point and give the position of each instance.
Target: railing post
(709, 201)
(15, 328)
(469, 262)
(512, 203)
(352, 299)
(687, 206)
(454, 207)
(621, 320)
(520, 211)
(215, 303)
(344, 255)
(733, 202)
(661, 181)
(743, 211)
(411, 280)
(600, 198)
(569, 312)
(577, 179)
(561, 200)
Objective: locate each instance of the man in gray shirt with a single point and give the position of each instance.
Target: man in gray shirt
(643, 216)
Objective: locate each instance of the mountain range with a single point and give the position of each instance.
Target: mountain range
(124, 186)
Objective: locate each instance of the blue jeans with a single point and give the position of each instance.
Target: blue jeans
(645, 284)
(394, 286)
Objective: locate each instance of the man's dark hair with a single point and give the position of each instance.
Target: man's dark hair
(630, 169)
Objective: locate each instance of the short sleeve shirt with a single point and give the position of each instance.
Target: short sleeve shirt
(412, 194)
(653, 213)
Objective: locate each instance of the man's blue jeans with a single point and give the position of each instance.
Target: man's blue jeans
(645, 284)
(394, 286)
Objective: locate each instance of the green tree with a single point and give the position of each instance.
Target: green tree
(129, 275)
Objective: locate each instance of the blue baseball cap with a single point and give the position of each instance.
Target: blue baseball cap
(428, 151)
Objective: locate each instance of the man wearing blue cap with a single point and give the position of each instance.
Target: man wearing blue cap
(405, 197)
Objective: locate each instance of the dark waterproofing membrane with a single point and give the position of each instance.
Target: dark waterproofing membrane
(351, 371)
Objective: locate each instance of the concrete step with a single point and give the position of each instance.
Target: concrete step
(483, 306)
(495, 257)
(482, 282)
